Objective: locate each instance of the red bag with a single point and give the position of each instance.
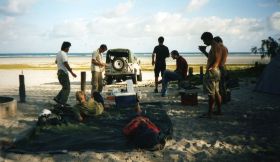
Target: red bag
(132, 126)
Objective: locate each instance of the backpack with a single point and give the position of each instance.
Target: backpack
(147, 138)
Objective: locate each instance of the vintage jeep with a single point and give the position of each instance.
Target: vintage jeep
(122, 66)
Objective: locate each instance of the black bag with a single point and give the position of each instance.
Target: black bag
(52, 119)
(146, 138)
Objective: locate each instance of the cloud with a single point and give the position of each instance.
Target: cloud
(70, 29)
(275, 21)
(196, 5)
(120, 10)
(16, 7)
(7, 29)
(140, 33)
(269, 3)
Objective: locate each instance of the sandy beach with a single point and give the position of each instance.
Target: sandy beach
(135, 117)
(41, 70)
(248, 130)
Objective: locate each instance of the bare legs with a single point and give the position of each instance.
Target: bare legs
(219, 103)
(156, 84)
(211, 102)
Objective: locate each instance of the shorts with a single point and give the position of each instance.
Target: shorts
(211, 81)
(159, 69)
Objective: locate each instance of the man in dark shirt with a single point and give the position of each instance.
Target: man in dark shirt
(158, 59)
(179, 74)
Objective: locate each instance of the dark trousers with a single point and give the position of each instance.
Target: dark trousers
(63, 94)
(167, 77)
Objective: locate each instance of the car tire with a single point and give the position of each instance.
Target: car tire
(118, 63)
(109, 80)
(139, 77)
(134, 77)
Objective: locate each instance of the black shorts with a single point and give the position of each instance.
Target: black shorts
(159, 69)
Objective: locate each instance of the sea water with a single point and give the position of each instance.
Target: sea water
(145, 58)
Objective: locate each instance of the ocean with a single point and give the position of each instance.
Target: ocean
(142, 54)
(144, 57)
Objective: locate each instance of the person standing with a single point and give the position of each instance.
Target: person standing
(222, 67)
(62, 74)
(222, 84)
(160, 53)
(97, 67)
(212, 75)
(179, 74)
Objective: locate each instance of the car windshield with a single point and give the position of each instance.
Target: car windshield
(118, 53)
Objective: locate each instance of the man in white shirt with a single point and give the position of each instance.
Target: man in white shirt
(97, 67)
(62, 74)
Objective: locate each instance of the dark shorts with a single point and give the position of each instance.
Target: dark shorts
(159, 69)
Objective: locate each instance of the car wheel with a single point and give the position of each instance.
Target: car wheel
(134, 77)
(109, 80)
(139, 77)
(118, 63)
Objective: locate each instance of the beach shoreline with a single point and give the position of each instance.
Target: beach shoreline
(48, 63)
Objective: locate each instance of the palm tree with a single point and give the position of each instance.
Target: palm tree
(273, 47)
(264, 46)
(269, 47)
(254, 50)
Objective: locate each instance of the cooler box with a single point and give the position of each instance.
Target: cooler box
(125, 99)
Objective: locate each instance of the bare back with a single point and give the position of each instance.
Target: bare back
(224, 55)
(215, 56)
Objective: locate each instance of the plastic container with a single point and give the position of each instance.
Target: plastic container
(125, 99)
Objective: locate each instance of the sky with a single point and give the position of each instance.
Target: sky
(40, 26)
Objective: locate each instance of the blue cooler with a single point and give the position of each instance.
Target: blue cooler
(125, 99)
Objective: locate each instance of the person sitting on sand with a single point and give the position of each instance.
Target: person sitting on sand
(144, 133)
(87, 108)
(179, 74)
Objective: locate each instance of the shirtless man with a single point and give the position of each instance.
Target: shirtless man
(222, 85)
(212, 76)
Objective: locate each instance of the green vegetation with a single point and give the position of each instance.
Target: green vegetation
(269, 48)
(234, 72)
(196, 68)
(247, 72)
(35, 67)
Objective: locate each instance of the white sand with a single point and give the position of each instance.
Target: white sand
(248, 130)
(10, 78)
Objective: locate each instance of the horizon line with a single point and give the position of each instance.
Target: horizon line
(105, 52)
